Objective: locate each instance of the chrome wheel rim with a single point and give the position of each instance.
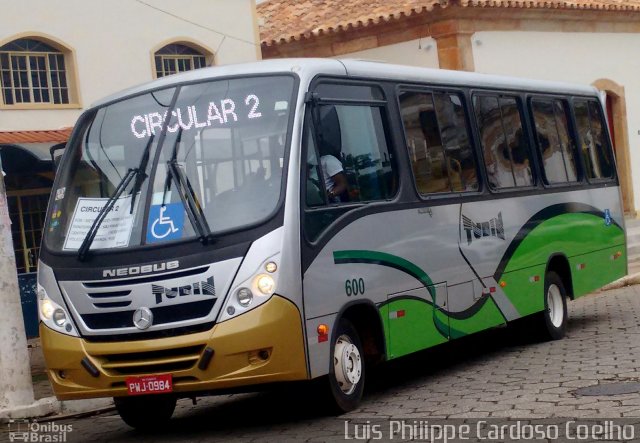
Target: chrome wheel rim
(554, 305)
(347, 364)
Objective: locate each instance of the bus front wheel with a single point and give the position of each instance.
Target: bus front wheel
(553, 320)
(145, 412)
(346, 374)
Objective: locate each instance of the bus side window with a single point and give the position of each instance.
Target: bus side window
(555, 142)
(438, 142)
(352, 141)
(594, 147)
(503, 141)
(455, 138)
(314, 194)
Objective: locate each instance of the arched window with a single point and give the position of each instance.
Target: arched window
(177, 57)
(32, 71)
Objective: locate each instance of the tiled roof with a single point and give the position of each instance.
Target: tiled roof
(286, 20)
(18, 137)
(283, 21)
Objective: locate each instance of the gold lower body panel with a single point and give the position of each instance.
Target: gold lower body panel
(264, 345)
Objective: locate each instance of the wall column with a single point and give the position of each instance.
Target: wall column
(16, 388)
(454, 44)
(615, 92)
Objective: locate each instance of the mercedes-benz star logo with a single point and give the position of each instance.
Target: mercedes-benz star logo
(143, 318)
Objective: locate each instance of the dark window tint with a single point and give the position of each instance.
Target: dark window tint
(349, 92)
(438, 142)
(596, 155)
(555, 141)
(503, 142)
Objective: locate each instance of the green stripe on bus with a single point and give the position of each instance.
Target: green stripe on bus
(384, 259)
(441, 320)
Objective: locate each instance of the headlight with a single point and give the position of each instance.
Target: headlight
(53, 315)
(265, 284)
(244, 296)
(254, 288)
(46, 308)
(59, 317)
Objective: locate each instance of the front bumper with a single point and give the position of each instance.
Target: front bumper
(264, 345)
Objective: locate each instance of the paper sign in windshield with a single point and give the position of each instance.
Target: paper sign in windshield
(115, 230)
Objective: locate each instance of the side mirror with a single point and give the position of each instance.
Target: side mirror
(56, 152)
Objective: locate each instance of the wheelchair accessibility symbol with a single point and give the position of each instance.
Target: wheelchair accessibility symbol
(165, 222)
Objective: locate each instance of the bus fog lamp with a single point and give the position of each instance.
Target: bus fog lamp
(46, 308)
(59, 317)
(244, 296)
(271, 267)
(265, 284)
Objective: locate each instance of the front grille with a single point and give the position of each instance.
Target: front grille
(181, 302)
(113, 304)
(150, 335)
(109, 300)
(162, 315)
(148, 279)
(108, 294)
(151, 362)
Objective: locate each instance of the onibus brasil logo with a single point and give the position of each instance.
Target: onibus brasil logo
(35, 432)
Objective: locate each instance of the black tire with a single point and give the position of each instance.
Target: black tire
(146, 413)
(552, 322)
(343, 397)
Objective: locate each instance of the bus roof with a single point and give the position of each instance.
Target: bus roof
(310, 67)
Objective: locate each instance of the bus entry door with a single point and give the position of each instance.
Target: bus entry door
(416, 319)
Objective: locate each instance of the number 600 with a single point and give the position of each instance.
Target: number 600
(354, 287)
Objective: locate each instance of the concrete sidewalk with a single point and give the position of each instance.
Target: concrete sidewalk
(46, 404)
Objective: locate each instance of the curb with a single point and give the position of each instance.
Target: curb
(627, 280)
(53, 409)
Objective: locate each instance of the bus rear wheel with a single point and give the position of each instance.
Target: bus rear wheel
(146, 413)
(346, 374)
(553, 320)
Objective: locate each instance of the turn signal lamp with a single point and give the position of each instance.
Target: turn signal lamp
(323, 333)
(271, 267)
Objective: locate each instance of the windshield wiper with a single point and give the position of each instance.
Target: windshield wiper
(131, 173)
(141, 176)
(187, 195)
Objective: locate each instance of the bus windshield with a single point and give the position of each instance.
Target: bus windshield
(210, 153)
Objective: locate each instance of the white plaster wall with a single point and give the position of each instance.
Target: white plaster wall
(423, 53)
(113, 42)
(573, 57)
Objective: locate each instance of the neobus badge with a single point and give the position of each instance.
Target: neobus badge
(145, 269)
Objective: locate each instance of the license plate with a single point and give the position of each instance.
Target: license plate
(154, 384)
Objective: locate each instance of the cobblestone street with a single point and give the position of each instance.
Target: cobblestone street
(494, 374)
